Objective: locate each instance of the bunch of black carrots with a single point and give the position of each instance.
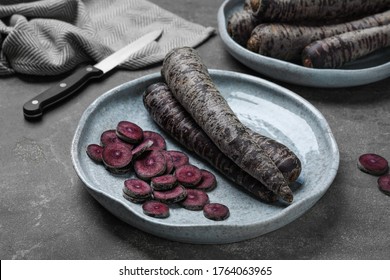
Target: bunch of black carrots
(314, 33)
(189, 107)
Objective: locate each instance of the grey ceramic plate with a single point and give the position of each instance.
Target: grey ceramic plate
(263, 106)
(364, 71)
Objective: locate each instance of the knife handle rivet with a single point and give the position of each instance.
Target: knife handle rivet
(63, 85)
(35, 102)
(89, 69)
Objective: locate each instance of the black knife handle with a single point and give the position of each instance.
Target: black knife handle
(33, 109)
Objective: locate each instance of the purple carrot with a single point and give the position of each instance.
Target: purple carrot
(167, 112)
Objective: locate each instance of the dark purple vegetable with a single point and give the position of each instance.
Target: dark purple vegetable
(216, 211)
(129, 132)
(158, 141)
(141, 148)
(191, 84)
(155, 209)
(117, 156)
(287, 41)
(168, 113)
(110, 137)
(134, 199)
(384, 183)
(169, 162)
(149, 165)
(373, 164)
(240, 25)
(163, 189)
(137, 188)
(335, 51)
(172, 117)
(188, 175)
(174, 195)
(208, 181)
(178, 158)
(195, 200)
(247, 6)
(296, 10)
(285, 160)
(164, 182)
(95, 152)
(118, 171)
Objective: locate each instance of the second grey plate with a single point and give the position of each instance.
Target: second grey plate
(367, 70)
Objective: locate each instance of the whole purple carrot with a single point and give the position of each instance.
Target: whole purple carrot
(286, 41)
(168, 113)
(299, 10)
(334, 52)
(191, 84)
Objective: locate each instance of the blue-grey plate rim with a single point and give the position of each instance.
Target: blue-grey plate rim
(204, 232)
(300, 75)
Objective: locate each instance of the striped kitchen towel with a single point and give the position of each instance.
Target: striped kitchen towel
(50, 37)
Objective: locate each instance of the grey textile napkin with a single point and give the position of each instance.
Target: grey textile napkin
(50, 37)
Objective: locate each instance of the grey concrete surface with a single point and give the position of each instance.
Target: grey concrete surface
(46, 213)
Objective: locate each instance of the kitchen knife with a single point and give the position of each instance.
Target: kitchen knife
(33, 109)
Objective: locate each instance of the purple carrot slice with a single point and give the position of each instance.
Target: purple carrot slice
(373, 164)
(133, 199)
(117, 156)
(141, 148)
(179, 158)
(129, 132)
(149, 165)
(208, 181)
(188, 175)
(110, 137)
(95, 151)
(216, 211)
(158, 141)
(384, 184)
(164, 182)
(155, 209)
(174, 195)
(195, 200)
(137, 188)
(169, 162)
(119, 171)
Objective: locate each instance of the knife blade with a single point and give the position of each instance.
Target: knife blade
(34, 108)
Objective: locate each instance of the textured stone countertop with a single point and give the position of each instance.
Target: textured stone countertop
(46, 212)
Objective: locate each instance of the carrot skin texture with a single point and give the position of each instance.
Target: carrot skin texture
(335, 51)
(247, 6)
(180, 124)
(286, 41)
(240, 26)
(285, 160)
(296, 10)
(169, 114)
(192, 86)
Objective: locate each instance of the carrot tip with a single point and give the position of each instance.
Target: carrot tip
(286, 194)
(307, 62)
